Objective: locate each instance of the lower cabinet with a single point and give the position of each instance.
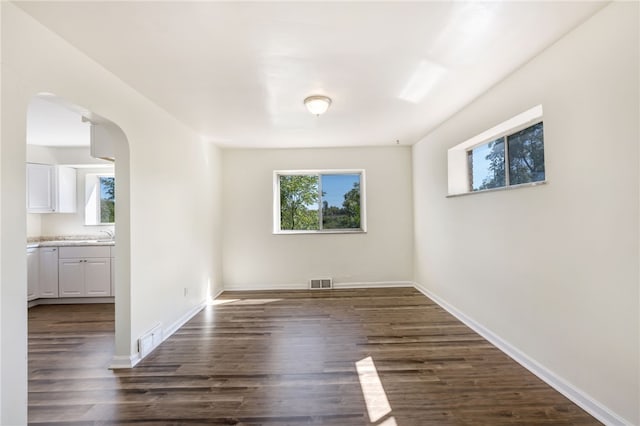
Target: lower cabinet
(84, 271)
(97, 277)
(113, 272)
(32, 273)
(48, 265)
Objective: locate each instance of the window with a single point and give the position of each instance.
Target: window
(319, 201)
(107, 199)
(519, 160)
(509, 154)
(100, 199)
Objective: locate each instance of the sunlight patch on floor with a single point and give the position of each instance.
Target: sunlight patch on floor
(242, 301)
(217, 302)
(391, 421)
(374, 395)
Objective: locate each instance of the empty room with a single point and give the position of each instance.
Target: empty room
(340, 213)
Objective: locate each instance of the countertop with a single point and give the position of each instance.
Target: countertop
(69, 242)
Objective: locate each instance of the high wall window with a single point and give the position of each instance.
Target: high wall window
(319, 201)
(507, 155)
(513, 159)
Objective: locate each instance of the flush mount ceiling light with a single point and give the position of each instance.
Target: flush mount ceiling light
(317, 104)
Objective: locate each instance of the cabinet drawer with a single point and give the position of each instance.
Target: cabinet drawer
(84, 251)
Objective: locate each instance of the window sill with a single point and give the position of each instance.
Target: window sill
(326, 231)
(502, 188)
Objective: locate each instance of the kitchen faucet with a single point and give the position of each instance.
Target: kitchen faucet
(109, 232)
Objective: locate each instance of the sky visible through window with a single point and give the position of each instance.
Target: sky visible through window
(107, 199)
(481, 169)
(104, 188)
(335, 186)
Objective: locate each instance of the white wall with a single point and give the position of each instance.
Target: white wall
(215, 188)
(253, 257)
(552, 270)
(162, 246)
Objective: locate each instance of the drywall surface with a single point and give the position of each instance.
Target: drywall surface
(166, 227)
(381, 255)
(214, 186)
(552, 270)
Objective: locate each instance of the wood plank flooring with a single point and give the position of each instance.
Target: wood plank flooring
(379, 357)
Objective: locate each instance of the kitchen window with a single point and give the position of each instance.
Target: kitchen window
(100, 205)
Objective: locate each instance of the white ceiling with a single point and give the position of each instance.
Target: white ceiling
(51, 124)
(237, 72)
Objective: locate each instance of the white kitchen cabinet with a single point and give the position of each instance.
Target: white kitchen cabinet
(113, 276)
(66, 194)
(84, 271)
(71, 277)
(113, 272)
(102, 145)
(48, 263)
(32, 273)
(51, 189)
(97, 277)
(40, 188)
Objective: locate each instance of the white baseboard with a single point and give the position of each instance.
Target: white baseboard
(305, 286)
(172, 328)
(215, 296)
(123, 361)
(69, 301)
(381, 284)
(252, 287)
(586, 402)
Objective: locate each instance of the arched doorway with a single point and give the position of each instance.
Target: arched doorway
(98, 150)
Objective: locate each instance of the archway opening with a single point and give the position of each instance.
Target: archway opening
(78, 228)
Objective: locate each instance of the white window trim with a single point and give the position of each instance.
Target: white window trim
(458, 170)
(276, 201)
(92, 199)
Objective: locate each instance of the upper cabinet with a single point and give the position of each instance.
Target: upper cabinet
(40, 188)
(102, 145)
(51, 189)
(66, 190)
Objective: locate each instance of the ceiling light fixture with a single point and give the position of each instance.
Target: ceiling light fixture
(317, 104)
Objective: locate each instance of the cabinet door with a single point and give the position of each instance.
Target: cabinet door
(66, 186)
(40, 188)
(32, 273)
(113, 276)
(71, 277)
(48, 272)
(97, 276)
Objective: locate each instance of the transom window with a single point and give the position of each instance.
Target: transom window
(319, 201)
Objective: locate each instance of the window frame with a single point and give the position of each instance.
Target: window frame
(93, 216)
(458, 171)
(504, 136)
(319, 173)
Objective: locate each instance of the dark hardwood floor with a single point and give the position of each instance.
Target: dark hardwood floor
(343, 357)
